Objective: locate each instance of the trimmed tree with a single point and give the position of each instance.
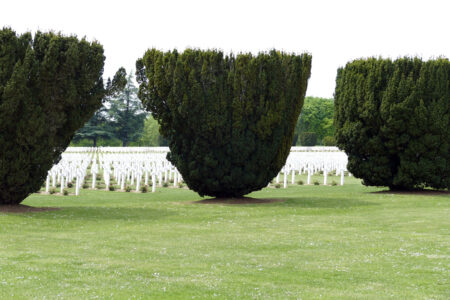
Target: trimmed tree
(392, 119)
(229, 119)
(50, 85)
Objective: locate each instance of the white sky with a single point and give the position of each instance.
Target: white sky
(334, 32)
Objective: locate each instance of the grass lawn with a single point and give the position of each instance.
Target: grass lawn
(321, 242)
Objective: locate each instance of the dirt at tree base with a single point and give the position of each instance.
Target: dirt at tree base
(235, 201)
(21, 208)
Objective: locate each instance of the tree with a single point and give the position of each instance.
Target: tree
(393, 121)
(50, 85)
(329, 141)
(126, 114)
(229, 120)
(316, 116)
(150, 135)
(96, 128)
(308, 139)
(99, 127)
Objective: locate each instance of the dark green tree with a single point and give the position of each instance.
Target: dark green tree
(96, 128)
(229, 119)
(99, 126)
(392, 119)
(126, 114)
(50, 85)
(308, 139)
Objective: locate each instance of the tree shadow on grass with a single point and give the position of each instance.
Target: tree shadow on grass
(310, 202)
(236, 201)
(415, 192)
(97, 213)
(321, 202)
(21, 208)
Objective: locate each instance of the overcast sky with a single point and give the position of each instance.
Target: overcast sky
(334, 32)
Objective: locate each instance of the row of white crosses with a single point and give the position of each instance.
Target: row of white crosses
(71, 167)
(135, 166)
(312, 160)
(131, 166)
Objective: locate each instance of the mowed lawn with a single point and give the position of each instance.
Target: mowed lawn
(331, 242)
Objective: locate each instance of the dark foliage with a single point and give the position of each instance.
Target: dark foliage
(308, 139)
(392, 119)
(96, 128)
(329, 141)
(99, 126)
(230, 119)
(50, 85)
(126, 115)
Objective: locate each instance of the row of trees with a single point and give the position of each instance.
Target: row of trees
(229, 120)
(122, 121)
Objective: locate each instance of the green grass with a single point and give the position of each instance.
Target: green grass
(322, 242)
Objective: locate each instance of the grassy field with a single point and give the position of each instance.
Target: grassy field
(321, 242)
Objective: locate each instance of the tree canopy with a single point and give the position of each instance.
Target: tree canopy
(99, 127)
(50, 85)
(317, 117)
(121, 117)
(126, 114)
(150, 134)
(229, 120)
(393, 120)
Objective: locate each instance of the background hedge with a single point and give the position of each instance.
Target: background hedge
(392, 119)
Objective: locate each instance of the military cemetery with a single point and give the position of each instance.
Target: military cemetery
(173, 151)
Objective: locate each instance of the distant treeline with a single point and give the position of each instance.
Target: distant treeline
(315, 123)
